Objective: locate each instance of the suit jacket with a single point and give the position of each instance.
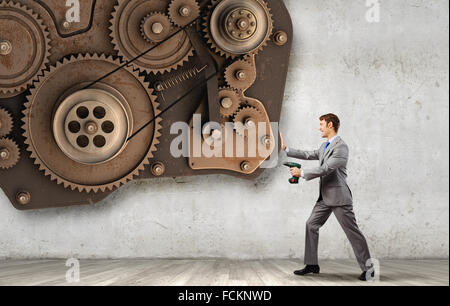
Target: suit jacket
(334, 190)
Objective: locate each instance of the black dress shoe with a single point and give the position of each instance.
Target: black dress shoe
(363, 276)
(308, 270)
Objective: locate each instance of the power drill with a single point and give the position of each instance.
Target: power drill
(293, 180)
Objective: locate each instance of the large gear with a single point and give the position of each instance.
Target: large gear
(240, 75)
(6, 122)
(107, 130)
(24, 47)
(229, 101)
(183, 12)
(130, 44)
(234, 27)
(9, 153)
(246, 118)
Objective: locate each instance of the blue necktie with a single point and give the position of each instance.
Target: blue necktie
(326, 147)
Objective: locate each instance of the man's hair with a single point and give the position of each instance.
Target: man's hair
(333, 119)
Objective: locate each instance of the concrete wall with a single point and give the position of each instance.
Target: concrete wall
(389, 83)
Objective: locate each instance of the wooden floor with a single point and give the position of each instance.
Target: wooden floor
(219, 272)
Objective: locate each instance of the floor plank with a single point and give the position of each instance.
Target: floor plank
(218, 272)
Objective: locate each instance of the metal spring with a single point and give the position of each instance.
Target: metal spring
(181, 77)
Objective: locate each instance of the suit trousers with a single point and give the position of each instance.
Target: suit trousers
(347, 220)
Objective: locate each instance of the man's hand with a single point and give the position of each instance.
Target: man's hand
(296, 172)
(283, 144)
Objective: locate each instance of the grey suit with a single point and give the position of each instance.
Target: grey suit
(334, 196)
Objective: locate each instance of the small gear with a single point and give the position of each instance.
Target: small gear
(9, 153)
(130, 44)
(229, 101)
(6, 122)
(106, 130)
(183, 12)
(155, 27)
(24, 47)
(240, 75)
(247, 117)
(234, 27)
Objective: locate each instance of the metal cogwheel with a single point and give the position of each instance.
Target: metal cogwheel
(240, 75)
(24, 47)
(246, 118)
(234, 27)
(183, 12)
(6, 122)
(229, 101)
(9, 153)
(155, 27)
(129, 42)
(107, 130)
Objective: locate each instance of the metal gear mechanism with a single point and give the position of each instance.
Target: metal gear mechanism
(240, 75)
(229, 101)
(234, 27)
(183, 12)
(247, 118)
(155, 27)
(9, 153)
(6, 122)
(24, 47)
(128, 41)
(107, 130)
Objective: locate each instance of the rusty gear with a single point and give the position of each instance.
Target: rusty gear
(240, 75)
(24, 47)
(247, 117)
(234, 27)
(6, 122)
(183, 12)
(129, 42)
(229, 101)
(73, 82)
(155, 27)
(9, 153)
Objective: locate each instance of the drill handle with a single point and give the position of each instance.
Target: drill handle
(293, 165)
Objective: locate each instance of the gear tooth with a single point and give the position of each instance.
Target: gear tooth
(32, 155)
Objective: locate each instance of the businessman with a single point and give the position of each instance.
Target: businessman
(335, 195)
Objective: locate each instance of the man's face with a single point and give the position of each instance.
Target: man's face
(326, 128)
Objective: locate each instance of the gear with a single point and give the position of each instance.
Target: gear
(9, 153)
(234, 27)
(6, 122)
(155, 27)
(24, 47)
(183, 12)
(240, 75)
(246, 118)
(229, 101)
(106, 130)
(129, 43)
